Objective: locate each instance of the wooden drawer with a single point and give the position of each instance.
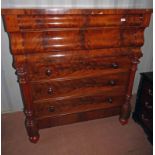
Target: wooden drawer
(61, 66)
(76, 39)
(27, 22)
(147, 103)
(42, 22)
(55, 88)
(147, 99)
(78, 104)
(147, 119)
(147, 89)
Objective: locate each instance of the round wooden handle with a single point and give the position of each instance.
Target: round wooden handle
(148, 106)
(144, 118)
(48, 72)
(150, 92)
(50, 90)
(114, 65)
(123, 19)
(112, 82)
(51, 109)
(110, 100)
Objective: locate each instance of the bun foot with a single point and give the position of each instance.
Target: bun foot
(34, 139)
(123, 121)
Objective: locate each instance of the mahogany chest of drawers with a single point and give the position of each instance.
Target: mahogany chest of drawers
(143, 113)
(75, 64)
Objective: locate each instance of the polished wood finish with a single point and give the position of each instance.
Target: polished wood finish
(75, 64)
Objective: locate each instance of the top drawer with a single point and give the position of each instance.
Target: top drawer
(26, 22)
(43, 19)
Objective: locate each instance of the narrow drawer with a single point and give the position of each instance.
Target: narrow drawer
(57, 88)
(80, 104)
(116, 20)
(41, 22)
(61, 66)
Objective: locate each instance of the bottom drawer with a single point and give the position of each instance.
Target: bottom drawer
(147, 120)
(45, 122)
(80, 104)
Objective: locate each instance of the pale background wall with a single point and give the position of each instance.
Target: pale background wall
(11, 98)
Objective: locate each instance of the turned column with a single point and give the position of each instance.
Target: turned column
(126, 107)
(30, 123)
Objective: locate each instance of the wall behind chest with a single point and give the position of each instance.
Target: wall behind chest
(11, 98)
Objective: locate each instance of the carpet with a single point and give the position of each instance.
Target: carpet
(96, 137)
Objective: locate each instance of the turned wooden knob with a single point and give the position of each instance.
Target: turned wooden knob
(114, 65)
(144, 118)
(150, 92)
(51, 109)
(50, 91)
(110, 100)
(148, 106)
(112, 82)
(48, 72)
(123, 19)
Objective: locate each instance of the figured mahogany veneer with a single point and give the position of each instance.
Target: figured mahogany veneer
(52, 88)
(75, 64)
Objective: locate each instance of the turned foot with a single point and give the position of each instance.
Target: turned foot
(31, 127)
(123, 121)
(34, 139)
(125, 111)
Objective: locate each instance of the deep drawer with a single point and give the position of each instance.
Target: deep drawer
(79, 104)
(63, 66)
(58, 88)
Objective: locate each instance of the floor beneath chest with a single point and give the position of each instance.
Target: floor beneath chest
(98, 137)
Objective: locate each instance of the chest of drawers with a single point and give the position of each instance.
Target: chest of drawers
(75, 64)
(143, 113)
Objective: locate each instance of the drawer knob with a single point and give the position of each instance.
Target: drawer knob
(48, 72)
(50, 91)
(112, 82)
(150, 92)
(114, 65)
(123, 19)
(110, 100)
(141, 17)
(144, 118)
(51, 109)
(148, 106)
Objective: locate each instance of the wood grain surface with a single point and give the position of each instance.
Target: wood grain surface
(75, 64)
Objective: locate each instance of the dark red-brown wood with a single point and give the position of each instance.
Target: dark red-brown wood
(75, 64)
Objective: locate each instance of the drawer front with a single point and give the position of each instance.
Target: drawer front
(147, 103)
(67, 21)
(148, 89)
(42, 22)
(147, 119)
(147, 98)
(64, 67)
(76, 39)
(80, 104)
(55, 88)
(116, 20)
